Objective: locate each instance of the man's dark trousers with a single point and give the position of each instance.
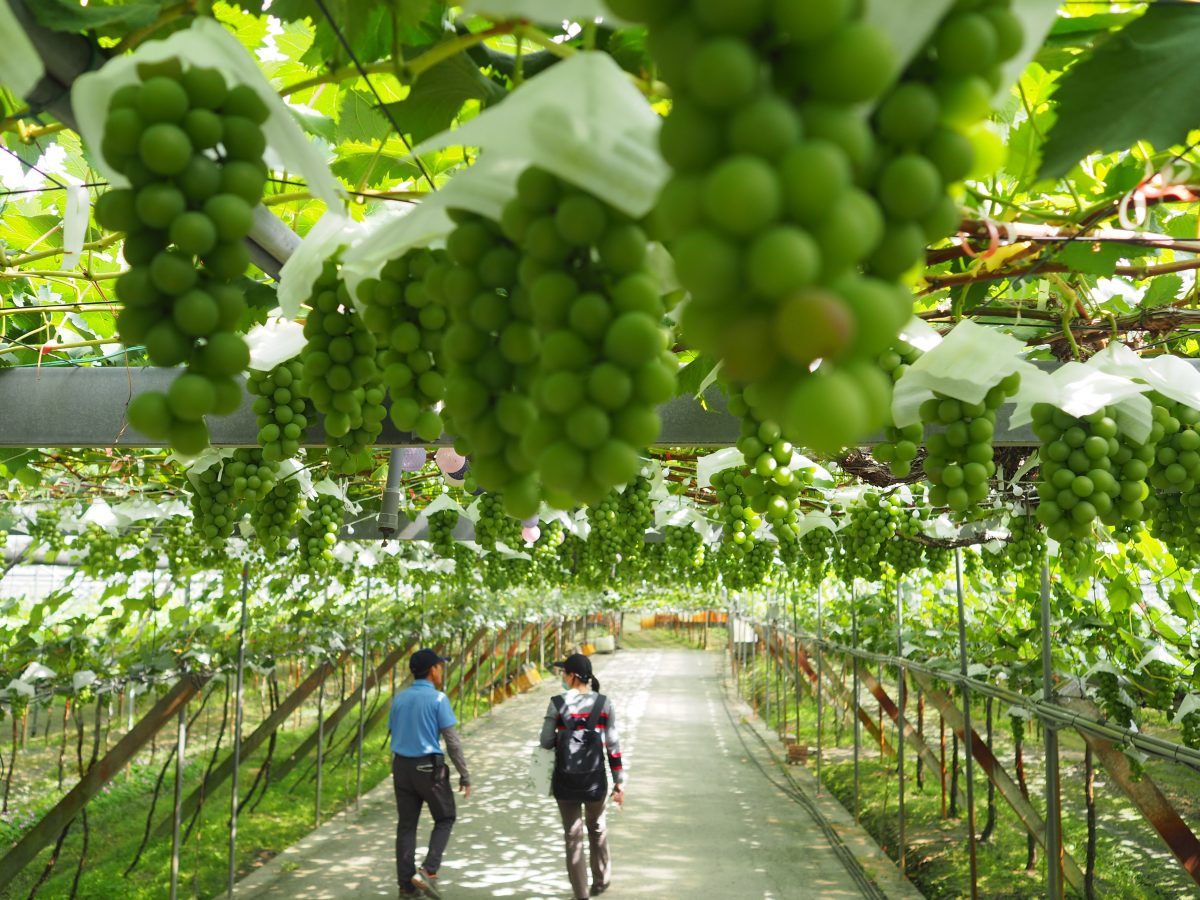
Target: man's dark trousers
(425, 779)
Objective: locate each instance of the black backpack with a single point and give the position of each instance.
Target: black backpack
(580, 751)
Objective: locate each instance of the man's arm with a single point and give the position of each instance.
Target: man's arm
(454, 750)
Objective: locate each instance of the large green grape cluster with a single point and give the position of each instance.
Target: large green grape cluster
(220, 492)
(339, 371)
(607, 537)
(1175, 521)
(1176, 463)
(817, 547)
(441, 532)
(104, 553)
(685, 552)
(1112, 699)
(924, 123)
(783, 192)
(960, 460)
(280, 408)
(180, 544)
(739, 521)
(1024, 552)
(274, 516)
(867, 536)
(547, 560)
(45, 529)
(637, 515)
(904, 553)
(603, 365)
(1156, 684)
(1190, 725)
(899, 446)
(317, 533)
(744, 566)
(772, 486)
(1089, 470)
(409, 320)
(1077, 556)
(490, 349)
(192, 149)
(495, 525)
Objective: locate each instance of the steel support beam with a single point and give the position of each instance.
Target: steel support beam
(85, 407)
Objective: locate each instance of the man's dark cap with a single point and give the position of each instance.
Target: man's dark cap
(424, 660)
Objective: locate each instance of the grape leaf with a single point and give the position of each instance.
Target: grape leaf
(1141, 84)
(439, 94)
(359, 119)
(1093, 258)
(69, 15)
(1163, 291)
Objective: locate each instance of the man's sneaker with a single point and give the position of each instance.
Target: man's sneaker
(407, 890)
(426, 881)
(598, 889)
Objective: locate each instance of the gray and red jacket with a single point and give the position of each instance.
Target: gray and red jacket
(577, 706)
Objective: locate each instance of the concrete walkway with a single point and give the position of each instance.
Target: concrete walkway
(700, 818)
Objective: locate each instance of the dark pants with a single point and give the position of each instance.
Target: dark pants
(425, 779)
(573, 816)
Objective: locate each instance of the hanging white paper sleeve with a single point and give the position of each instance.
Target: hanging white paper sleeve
(965, 365)
(302, 269)
(273, 342)
(205, 43)
(581, 120)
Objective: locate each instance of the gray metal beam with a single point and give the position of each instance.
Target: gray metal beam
(85, 407)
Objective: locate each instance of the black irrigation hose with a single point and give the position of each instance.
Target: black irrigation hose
(853, 867)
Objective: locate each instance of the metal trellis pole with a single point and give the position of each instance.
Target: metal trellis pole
(854, 691)
(820, 686)
(362, 697)
(320, 749)
(968, 747)
(237, 732)
(901, 692)
(176, 814)
(1054, 886)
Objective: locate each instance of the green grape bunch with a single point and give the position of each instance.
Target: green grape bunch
(490, 349)
(739, 520)
(494, 525)
(1190, 725)
(1089, 471)
(441, 532)
(220, 493)
(275, 515)
(1156, 683)
(686, 552)
(960, 460)
(817, 548)
(281, 409)
(409, 320)
(898, 449)
(603, 365)
(317, 533)
(866, 539)
(191, 146)
(637, 516)
(339, 371)
(791, 216)
(1025, 550)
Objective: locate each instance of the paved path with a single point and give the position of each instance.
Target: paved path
(700, 820)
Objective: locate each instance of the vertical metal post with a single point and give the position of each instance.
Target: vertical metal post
(462, 671)
(176, 814)
(854, 690)
(1054, 886)
(320, 749)
(768, 627)
(796, 660)
(901, 727)
(968, 747)
(820, 685)
(754, 672)
(237, 732)
(362, 696)
(542, 644)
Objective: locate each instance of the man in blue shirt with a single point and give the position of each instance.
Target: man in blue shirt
(420, 717)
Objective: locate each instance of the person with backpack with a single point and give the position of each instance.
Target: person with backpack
(580, 726)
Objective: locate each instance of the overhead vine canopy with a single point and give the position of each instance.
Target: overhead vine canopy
(529, 224)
